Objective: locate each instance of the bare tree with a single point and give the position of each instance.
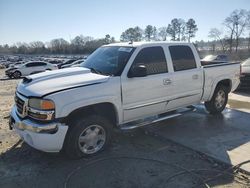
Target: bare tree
(59, 45)
(20, 47)
(236, 23)
(162, 32)
(229, 24)
(77, 44)
(180, 26)
(216, 34)
(248, 28)
(155, 33)
(37, 47)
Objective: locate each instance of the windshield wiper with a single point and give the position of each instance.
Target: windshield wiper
(99, 72)
(95, 71)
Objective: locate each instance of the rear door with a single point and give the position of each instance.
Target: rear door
(41, 66)
(186, 78)
(144, 96)
(27, 69)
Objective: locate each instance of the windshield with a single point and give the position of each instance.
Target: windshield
(246, 62)
(108, 60)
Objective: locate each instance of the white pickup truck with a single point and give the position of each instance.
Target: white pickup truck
(124, 85)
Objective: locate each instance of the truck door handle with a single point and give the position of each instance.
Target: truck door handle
(195, 76)
(167, 81)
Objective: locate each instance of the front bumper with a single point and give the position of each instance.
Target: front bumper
(45, 137)
(8, 73)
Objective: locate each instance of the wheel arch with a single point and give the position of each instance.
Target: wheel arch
(227, 83)
(17, 71)
(105, 109)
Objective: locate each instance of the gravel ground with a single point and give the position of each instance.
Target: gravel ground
(134, 159)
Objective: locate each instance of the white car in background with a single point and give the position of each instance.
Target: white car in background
(76, 63)
(245, 75)
(15, 64)
(26, 69)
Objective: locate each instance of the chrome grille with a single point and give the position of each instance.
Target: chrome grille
(20, 105)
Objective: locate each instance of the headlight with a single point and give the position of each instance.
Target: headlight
(41, 104)
(41, 109)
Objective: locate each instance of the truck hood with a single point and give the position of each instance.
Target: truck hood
(48, 82)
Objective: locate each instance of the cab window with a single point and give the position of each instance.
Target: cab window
(182, 58)
(154, 60)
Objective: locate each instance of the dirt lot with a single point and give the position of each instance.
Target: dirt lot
(134, 159)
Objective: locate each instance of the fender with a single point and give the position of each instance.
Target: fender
(72, 106)
(215, 83)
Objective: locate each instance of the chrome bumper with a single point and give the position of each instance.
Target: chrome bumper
(45, 137)
(27, 124)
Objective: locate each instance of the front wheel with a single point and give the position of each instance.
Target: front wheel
(87, 136)
(16, 74)
(218, 102)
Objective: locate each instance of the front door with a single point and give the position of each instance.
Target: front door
(144, 96)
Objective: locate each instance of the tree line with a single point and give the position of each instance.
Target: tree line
(177, 30)
(235, 26)
(78, 45)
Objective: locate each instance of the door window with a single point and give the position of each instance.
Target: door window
(40, 64)
(30, 64)
(182, 58)
(154, 60)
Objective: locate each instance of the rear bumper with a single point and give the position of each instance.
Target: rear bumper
(244, 81)
(45, 137)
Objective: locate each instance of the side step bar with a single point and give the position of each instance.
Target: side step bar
(155, 119)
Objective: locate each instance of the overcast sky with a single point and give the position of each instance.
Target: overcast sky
(43, 20)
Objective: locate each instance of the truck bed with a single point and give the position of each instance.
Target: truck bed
(219, 71)
(208, 63)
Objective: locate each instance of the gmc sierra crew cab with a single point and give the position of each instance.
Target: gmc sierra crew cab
(124, 85)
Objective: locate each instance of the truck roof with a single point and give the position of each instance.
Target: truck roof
(145, 43)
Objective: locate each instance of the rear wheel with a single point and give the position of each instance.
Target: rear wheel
(87, 136)
(16, 74)
(219, 100)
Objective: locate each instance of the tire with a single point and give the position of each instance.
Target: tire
(17, 74)
(94, 130)
(219, 100)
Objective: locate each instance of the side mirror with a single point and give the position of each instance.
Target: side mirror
(138, 71)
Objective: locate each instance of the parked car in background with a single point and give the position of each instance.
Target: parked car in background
(7, 64)
(77, 63)
(214, 59)
(73, 64)
(15, 64)
(67, 62)
(55, 61)
(245, 75)
(29, 68)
